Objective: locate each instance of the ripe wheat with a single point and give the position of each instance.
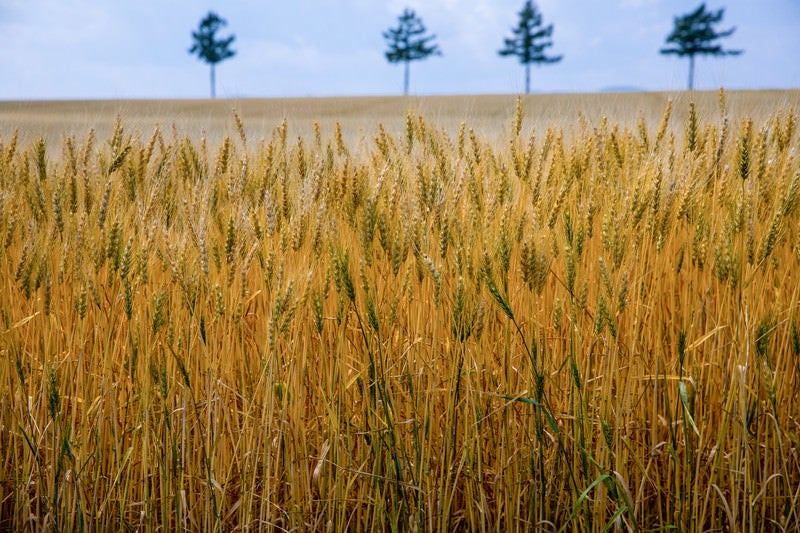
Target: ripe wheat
(591, 328)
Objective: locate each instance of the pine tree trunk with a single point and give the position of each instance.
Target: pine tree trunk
(527, 78)
(213, 82)
(405, 79)
(691, 72)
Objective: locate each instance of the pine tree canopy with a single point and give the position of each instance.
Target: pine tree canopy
(206, 46)
(408, 42)
(530, 38)
(694, 34)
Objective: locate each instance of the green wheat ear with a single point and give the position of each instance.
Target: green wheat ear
(608, 433)
(341, 275)
(158, 314)
(488, 279)
(53, 395)
(316, 304)
(744, 151)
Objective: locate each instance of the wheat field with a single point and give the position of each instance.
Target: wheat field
(550, 313)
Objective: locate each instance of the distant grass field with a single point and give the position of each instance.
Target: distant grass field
(551, 313)
(359, 116)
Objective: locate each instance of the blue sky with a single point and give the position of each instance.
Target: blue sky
(75, 49)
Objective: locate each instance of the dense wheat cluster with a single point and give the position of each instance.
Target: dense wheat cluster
(589, 328)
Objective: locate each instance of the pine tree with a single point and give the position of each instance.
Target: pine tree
(694, 34)
(408, 42)
(208, 48)
(530, 40)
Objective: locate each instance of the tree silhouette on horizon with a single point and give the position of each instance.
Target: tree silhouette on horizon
(408, 43)
(208, 48)
(694, 34)
(529, 41)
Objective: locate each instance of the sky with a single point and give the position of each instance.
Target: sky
(103, 49)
